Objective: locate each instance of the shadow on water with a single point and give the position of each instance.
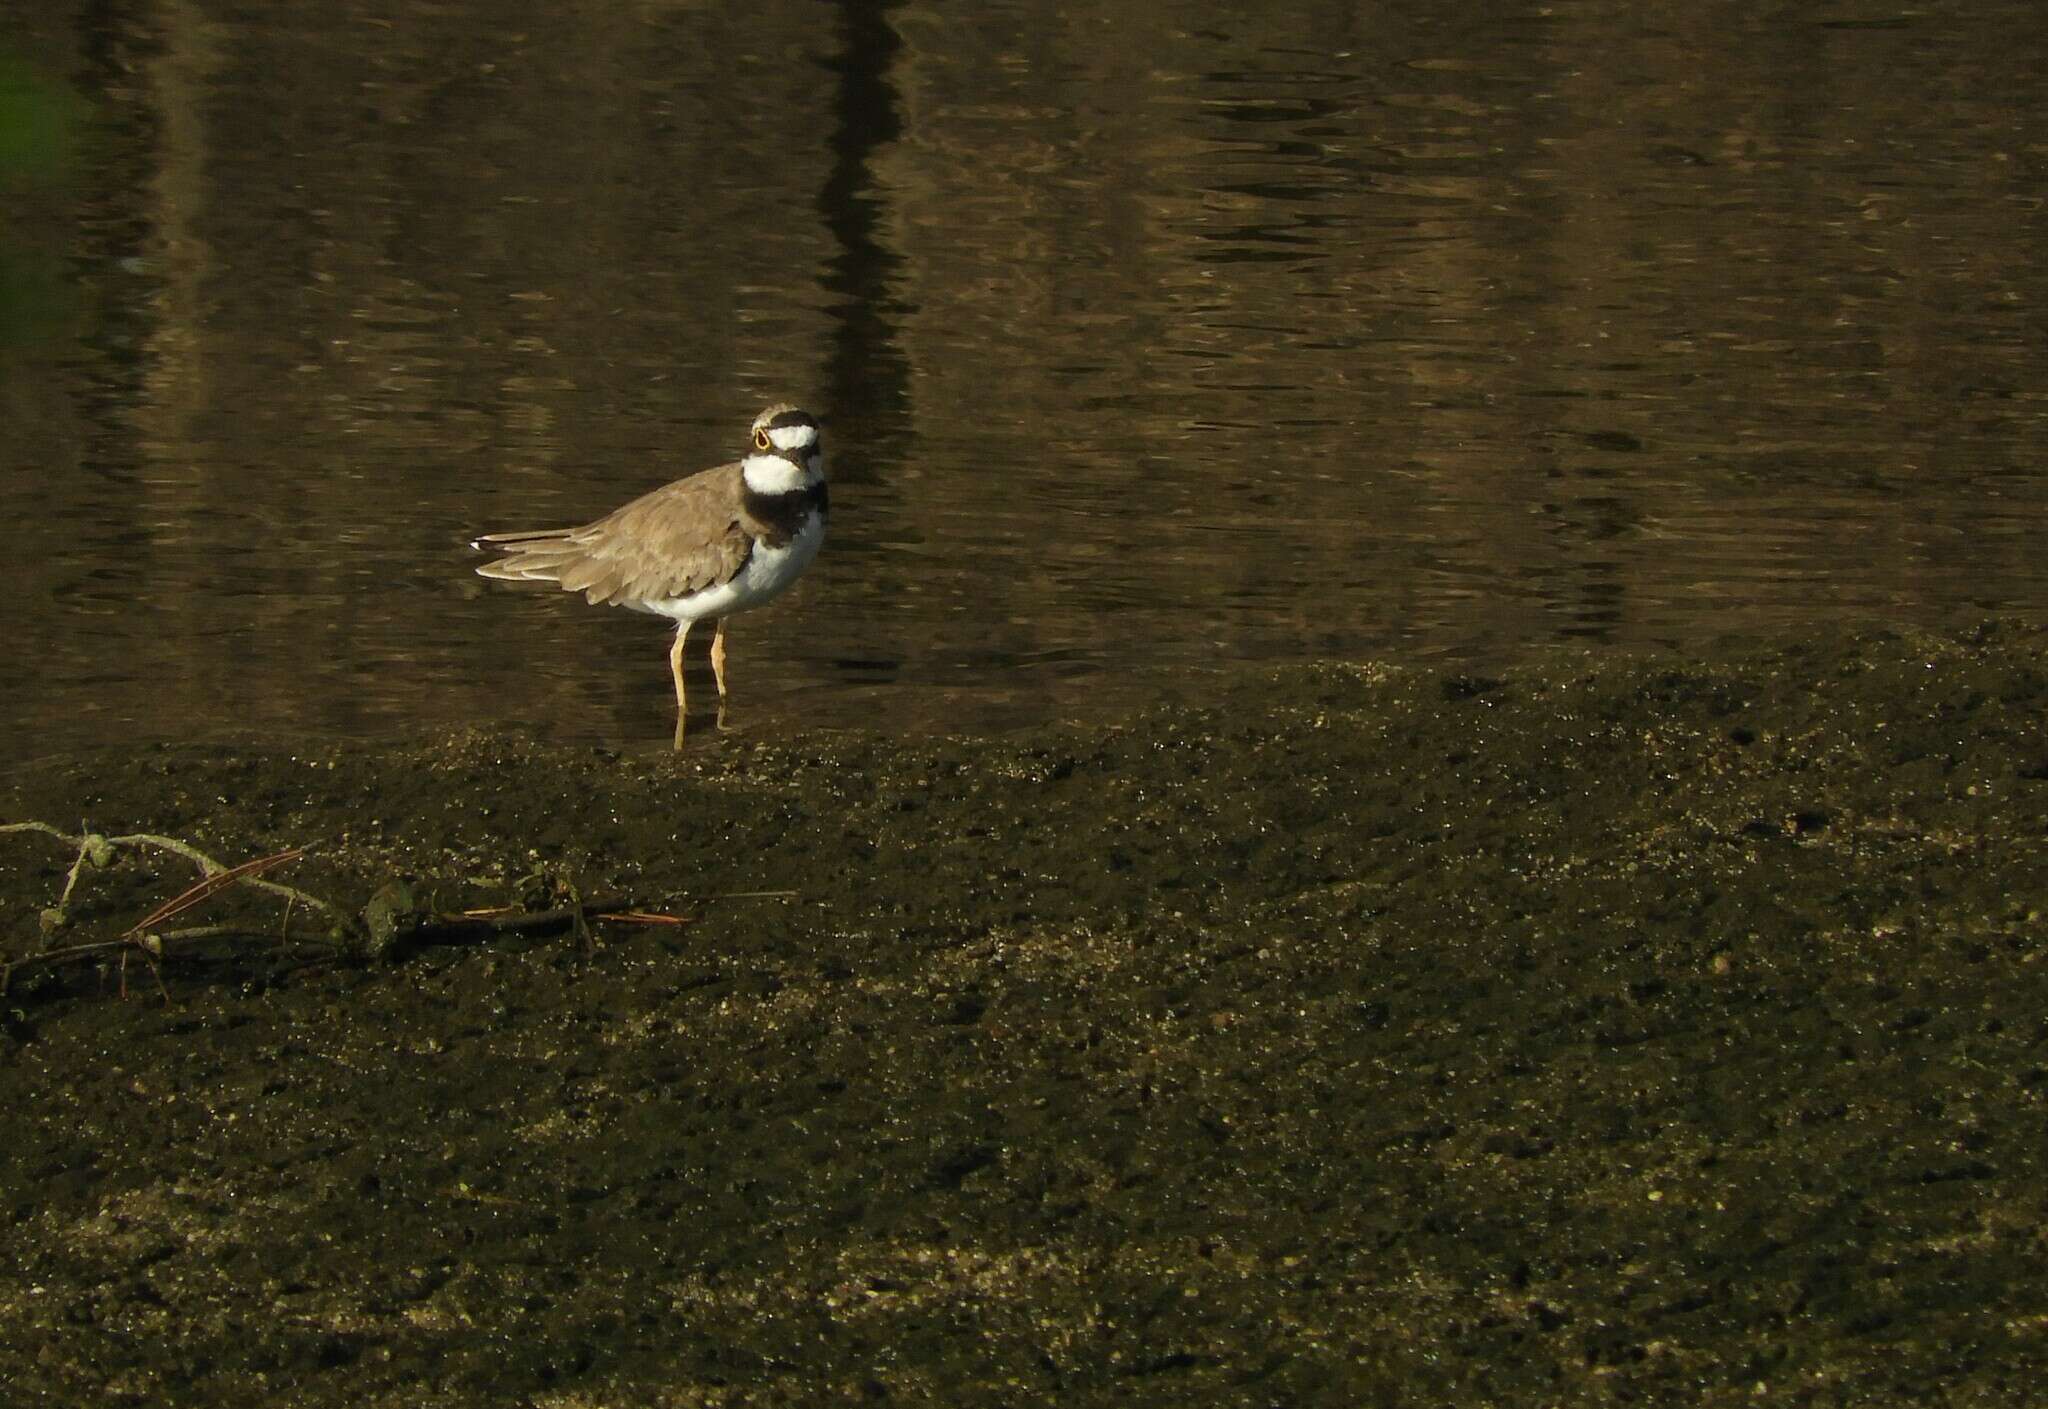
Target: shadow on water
(867, 375)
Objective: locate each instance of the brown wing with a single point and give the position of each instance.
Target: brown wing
(678, 539)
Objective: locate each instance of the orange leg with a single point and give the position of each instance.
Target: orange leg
(675, 670)
(718, 667)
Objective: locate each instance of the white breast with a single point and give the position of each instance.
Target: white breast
(767, 575)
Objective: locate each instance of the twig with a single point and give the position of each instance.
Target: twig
(388, 925)
(140, 937)
(210, 867)
(505, 920)
(643, 917)
(150, 954)
(213, 884)
(107, 946)
(90, 849)
(206, 864)
(44, 827)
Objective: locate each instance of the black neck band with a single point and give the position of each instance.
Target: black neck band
(783, 514)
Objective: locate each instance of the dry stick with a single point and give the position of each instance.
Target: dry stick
(140, 944)
(504, 920)
(506, 917)
(152, 945)
(213, 884)
(93, 848)
(102, 946)
(216, 877)
(209, 866)
(206, 864)
(155, 971)
(98, 855)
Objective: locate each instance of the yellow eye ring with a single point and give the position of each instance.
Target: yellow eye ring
(761, 441)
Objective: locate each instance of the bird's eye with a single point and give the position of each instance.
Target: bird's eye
(760, 439)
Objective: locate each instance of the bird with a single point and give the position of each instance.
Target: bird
(721, 541)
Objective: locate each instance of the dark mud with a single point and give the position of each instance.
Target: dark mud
(1646, 1030)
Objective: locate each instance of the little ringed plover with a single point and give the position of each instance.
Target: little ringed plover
(721, 541)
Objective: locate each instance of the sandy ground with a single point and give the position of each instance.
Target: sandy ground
(1620, 1031)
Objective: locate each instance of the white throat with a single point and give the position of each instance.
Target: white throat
(771, 474)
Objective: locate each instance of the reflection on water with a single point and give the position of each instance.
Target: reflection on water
(1150, 337)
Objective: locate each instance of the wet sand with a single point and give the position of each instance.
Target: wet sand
(1643, 1029)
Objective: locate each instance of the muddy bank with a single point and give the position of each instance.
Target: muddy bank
(1667, 1030)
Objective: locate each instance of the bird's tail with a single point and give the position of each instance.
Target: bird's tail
(534, 554)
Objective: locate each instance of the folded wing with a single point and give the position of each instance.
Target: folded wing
(668, 543)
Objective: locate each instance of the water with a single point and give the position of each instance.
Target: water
(1150, 339)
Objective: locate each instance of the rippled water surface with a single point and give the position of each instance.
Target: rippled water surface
(1149, 337)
